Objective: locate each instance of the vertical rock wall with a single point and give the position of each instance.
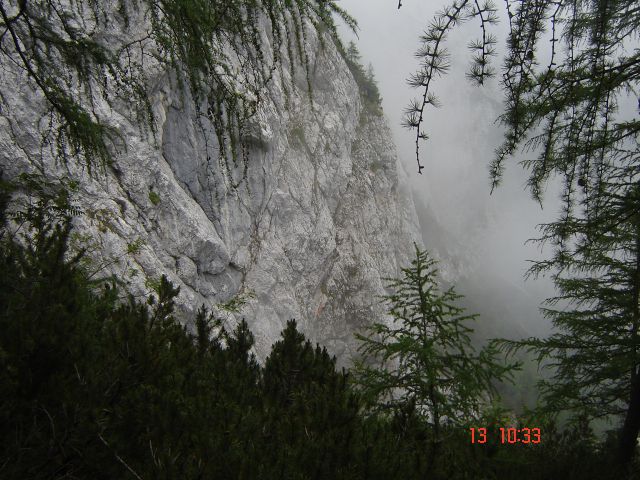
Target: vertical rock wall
(321, 219)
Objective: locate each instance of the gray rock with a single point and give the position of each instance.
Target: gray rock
(320, 221)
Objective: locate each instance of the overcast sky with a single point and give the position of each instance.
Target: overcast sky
(463, 136)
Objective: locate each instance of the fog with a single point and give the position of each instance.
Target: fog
(481, 235)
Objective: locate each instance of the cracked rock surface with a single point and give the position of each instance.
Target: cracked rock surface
(322, 218)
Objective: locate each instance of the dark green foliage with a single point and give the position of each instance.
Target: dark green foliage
(47, 322)
(96, 386)
(576, 113)
(430, 368)
(93, 387)
(311, 410)
(364, 78)
(594, 352)
(430, 340)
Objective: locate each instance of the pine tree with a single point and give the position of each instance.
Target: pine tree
(49, 318)
(365, 79)
(594, 352)
(352, 53)
(311, 409)
(98, 385)
(428, 363)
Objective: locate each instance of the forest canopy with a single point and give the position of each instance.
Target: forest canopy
(97, 384)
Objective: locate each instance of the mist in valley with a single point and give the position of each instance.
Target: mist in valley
(480, 237)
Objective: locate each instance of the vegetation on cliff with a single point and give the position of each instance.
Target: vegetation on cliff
(83, 56)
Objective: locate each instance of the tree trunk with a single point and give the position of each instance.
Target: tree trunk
(631, 426)
(435, 444)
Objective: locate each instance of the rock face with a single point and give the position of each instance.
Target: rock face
(321, 219)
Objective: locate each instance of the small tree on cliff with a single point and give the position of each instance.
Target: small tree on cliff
(428, 361)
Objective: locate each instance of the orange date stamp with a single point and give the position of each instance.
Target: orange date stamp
(509, 435)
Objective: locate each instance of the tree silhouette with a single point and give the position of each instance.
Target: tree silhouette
(429, 364)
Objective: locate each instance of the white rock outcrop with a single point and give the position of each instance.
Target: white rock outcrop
(321, 220)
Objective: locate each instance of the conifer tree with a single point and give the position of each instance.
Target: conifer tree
(364, 78)
(95, 385)
(594, 352)
(429, 364)
(311, 408)
(564, 108)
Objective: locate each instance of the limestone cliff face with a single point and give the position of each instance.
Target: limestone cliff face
(321, 219)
